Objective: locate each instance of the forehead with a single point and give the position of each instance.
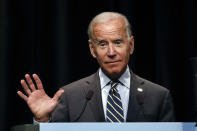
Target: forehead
(112, 28)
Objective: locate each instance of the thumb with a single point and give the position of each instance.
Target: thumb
(58, 94)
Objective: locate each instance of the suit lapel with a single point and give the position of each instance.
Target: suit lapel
(96, 101)
(135, 111)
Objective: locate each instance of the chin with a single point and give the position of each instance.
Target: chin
(113, 74)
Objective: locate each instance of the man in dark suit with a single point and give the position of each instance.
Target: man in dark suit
(114, 93)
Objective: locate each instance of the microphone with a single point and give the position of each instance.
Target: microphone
(141, 102)
(88, 97)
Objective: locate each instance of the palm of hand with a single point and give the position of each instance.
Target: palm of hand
(38, 101)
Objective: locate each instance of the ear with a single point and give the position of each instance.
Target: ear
(92, 48)
(131, 44)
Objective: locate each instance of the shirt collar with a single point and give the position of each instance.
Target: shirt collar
(124, 78)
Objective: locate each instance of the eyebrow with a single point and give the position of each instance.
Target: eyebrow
(120, 39)
(101, 40)
(98, 40)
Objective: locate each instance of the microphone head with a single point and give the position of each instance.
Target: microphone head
(89, 94)
(139, 99)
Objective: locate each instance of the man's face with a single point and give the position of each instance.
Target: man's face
(112, 47)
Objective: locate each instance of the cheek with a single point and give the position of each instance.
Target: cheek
(100, 56)
(126, 55)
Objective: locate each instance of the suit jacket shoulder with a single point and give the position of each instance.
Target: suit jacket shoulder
(76, 85)
(73, 103)
(154, 102)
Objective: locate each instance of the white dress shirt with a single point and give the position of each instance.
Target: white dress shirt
(123, 89)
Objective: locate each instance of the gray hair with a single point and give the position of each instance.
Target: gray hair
(105, 17)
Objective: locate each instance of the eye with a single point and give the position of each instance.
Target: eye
(118, 42)
(102, 43)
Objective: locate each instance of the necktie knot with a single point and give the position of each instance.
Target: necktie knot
(114, 84)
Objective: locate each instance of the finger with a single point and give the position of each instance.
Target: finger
(24, 97)
(38, 81)
(25, 87)
(30, 82)
(58, 94)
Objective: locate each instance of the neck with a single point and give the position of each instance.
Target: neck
(115, 75)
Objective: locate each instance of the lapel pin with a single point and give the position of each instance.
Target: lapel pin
(140, 89)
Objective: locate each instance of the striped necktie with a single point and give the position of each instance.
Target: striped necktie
(114, 105)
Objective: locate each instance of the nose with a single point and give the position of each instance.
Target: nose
(111, 51)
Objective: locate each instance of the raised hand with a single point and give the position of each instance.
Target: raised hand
(38, 101)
